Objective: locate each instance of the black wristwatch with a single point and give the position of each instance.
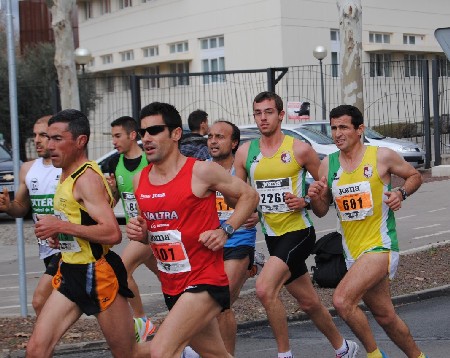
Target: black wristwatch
(403, 192)
(229, 230)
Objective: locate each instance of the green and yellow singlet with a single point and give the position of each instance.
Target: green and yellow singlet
(367, 223)
(272, 177)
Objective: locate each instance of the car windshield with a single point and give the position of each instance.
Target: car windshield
(372, 134)
(4, 154)
(315, 136)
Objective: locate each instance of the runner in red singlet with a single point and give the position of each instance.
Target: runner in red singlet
(178, 218)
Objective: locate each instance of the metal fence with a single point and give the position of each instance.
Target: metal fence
(394, 100)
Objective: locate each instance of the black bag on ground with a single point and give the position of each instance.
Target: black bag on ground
(330, 263)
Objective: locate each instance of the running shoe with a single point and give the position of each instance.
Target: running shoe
(259, 261)
(143, 329)
(352, 350)
(188, 352)
(384, 355)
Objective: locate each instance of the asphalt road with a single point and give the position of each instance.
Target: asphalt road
(427, 320)
(423, 220)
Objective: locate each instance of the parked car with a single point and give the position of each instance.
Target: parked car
(6, 173)
(412, 153)
(321, 143)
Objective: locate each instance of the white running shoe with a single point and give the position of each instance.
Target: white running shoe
(188, 352)
(352, 350)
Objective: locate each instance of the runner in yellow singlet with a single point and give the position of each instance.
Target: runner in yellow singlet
(359, 179)
(276, 166)
(91, 278)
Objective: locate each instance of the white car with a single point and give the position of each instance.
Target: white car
(410, 151)
(322, 144)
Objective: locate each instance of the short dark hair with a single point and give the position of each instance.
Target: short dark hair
(128, 123)
(169, 113)
(349, 110)
(235, 135)
(263, 96)
(78, 124)
(196, 118)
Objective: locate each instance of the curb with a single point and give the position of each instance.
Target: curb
(61, 350)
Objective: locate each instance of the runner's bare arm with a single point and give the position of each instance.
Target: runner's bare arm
(136, 228)
(20, 206)
(319, 192)
(390, 162)
(90, 191)
(240, 159)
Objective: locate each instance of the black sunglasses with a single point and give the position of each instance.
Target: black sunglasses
(153, 130)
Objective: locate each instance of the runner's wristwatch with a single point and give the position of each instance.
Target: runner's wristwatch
(403, 192)
(229, 230)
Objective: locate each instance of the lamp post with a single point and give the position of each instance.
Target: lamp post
(320, 53)
(82, 57)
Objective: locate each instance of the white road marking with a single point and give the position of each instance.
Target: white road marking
(405, 217)
(426, 227)
(440, 209)
(430, 235)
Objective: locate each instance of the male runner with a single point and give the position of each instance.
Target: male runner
(122, 169)
(359, 179)
(239, 250)
(37, 183)
(178, 217)
(91, 278)
(276, 165)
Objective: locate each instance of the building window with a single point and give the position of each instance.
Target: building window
(105, 6)
(107, 59)
(379, 38)
(443, 66)
(149, 83)
(87, 6)
(335, 45)
(179, 68)
(409, 39)
(212, 42)
(125, 3)
(108, 83)
(126, 85)
(213, 65)
(127, 55)
(334, 64)
(380, 65)
(150, 51)
(413, 65)
(179, 47)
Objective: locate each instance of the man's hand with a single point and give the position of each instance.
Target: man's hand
(111, 179)
(5, 202)
(318, 189)
(251, 221)
(47, 228)
(136, 229)
(394, 200)
(294, 202)
(213, 239)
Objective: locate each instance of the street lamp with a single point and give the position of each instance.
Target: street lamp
(320, 53)
(82, 57)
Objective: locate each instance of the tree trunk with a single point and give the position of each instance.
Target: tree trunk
(64, 52)
(350, 20)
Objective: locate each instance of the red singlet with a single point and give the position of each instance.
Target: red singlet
(175, 219)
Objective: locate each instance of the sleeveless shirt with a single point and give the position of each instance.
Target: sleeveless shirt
(272, 177)
(76, 250)
(41, 181)
(175, 218)
(366, 222)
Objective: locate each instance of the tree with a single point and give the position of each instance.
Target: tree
(64, 52)
(350, 20)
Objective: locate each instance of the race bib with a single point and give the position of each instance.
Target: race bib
(223, 210)
(169, 251)
(271, 194)
(67, 243)
(130, 203)
(353, 201)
